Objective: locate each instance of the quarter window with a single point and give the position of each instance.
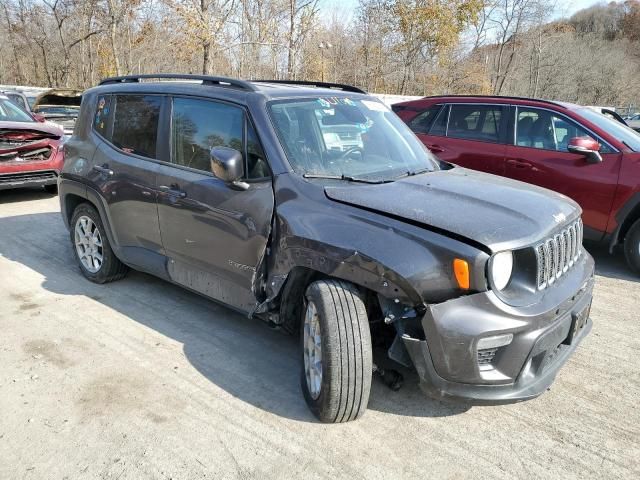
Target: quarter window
(135, 126)
(475, 122)
(101, 119)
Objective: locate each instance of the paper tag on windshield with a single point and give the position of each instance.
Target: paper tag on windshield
(375, 106)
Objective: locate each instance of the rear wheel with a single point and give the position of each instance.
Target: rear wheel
(336, 350)
(91, 246)
(632, 246)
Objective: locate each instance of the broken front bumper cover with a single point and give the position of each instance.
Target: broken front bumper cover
(448, 363)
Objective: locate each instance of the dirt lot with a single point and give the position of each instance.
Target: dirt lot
(141, 379)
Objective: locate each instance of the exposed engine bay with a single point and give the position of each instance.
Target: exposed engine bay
(19, 146)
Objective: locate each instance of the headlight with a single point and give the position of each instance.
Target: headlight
(501, 269)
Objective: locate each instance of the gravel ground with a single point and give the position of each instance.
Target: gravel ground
(141, 379)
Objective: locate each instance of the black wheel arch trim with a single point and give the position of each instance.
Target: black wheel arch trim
(626, 216)
(68, 187)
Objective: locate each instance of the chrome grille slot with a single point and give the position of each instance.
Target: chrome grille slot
(556, 255)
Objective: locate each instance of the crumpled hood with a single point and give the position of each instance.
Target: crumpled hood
(46, 128)
(496, 212)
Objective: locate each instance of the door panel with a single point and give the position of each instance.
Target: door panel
(591, 185)
(540, 157)
(215, 237)
(128, 185)
(482, 156)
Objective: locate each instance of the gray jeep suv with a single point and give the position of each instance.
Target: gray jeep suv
(312, 206)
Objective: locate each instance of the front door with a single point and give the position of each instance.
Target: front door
(214, 235)
(540, 157)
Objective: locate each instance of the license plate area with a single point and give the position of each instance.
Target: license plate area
(578, 322)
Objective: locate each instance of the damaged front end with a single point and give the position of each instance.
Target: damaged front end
(18, 146)
(29, 157)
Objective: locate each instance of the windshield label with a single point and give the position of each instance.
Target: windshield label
(375, 106)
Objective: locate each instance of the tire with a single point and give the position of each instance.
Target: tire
(86, 218)
(632, 246)
(52, 189)
(341, 392)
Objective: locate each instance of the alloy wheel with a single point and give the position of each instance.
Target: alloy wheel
(88, 244)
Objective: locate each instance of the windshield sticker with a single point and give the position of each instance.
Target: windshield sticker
(375, 106)
(332, 101)
(364, 127)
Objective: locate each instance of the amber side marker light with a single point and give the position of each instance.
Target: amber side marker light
(461, 271)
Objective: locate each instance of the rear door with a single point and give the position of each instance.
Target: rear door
(125, 169)
(538, 155)
(214, 235)
(470, 135)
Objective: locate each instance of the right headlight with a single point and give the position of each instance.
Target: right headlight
(501, 269)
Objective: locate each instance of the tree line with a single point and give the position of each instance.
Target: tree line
(412, 47)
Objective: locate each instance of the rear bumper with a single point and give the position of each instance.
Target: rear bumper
(448, 362)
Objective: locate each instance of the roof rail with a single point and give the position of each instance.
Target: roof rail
(336, 86)
(206, 80)
(505, 97)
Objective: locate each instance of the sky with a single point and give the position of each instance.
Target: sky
(343, 8)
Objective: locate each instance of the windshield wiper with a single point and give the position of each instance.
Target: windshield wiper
(345, 177)
(412, 173)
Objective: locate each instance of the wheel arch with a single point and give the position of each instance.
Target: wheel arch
(626, 217)
(72, 194)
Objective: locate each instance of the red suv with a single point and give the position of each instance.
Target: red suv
(30, 149)
(573, 150)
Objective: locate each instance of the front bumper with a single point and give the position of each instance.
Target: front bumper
(448, 363)
(28, 179)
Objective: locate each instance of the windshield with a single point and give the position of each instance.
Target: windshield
(343, 137)
(10, 112)
(614, 128)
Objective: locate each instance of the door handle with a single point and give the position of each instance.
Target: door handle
(517, 163)
(435, 148)
(104, 169)
(172, 191)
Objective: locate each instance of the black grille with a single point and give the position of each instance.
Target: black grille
(26, 177)
(485, 356)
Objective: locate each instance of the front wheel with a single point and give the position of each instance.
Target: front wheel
(336, 350)
(632, 246)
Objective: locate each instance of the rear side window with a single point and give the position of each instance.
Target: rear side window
(475, 122)
(135, 124)
(422, 122)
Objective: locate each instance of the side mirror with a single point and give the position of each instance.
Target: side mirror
(39, 117)
(227, 164)
(587, 147)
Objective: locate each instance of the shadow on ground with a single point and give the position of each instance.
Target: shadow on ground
(611, 265)
(23, 195)
(245, 357)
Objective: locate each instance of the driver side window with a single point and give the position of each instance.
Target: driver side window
(537, 128)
